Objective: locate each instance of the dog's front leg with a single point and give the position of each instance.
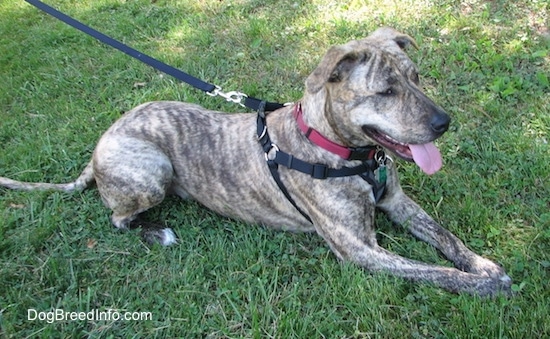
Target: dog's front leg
(354, 240)
(403, 210)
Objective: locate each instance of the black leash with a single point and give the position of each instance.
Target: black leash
(210, 89)
(372, 170)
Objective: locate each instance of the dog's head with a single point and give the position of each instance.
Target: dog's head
(373, 96)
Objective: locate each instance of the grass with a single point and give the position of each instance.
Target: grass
(486, 62)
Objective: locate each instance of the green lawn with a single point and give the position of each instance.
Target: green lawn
(486, 62)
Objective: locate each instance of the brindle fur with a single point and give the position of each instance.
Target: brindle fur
(171, 147)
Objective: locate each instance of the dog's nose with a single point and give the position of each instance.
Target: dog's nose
(440, 122)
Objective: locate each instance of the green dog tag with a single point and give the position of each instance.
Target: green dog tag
(380, 174)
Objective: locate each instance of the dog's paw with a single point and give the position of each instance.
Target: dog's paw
(485, 267)
(492, 287)
(503, 286)
(162, 236)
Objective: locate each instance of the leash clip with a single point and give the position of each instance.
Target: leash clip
(232, 96)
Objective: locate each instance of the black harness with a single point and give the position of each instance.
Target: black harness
(372, 169)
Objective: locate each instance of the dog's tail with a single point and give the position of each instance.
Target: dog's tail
(84, 181)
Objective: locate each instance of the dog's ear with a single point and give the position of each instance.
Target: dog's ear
(387, 33)
(404, 41)
(338, 62)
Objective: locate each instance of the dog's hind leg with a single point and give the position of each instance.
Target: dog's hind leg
(132, 175)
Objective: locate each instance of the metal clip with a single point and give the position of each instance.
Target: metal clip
(232, 96)
(381, 157)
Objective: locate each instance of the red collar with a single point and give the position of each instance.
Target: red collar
(348, 153)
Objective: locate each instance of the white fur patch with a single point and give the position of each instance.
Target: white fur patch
(168, 237)
(505, 278)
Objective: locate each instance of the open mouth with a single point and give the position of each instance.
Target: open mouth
(426, 156)
(399, 148)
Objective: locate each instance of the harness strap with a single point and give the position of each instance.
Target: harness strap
(254, 104)
(265, 142)
(320, 171)
(274, 169)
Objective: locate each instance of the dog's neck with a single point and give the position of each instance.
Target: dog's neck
(316, 137)
(329, 140)
(313, 113)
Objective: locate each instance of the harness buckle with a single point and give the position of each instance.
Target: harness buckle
(319, 171)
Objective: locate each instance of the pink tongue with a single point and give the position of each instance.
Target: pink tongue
(427, 157)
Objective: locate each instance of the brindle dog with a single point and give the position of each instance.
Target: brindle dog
(363, 93)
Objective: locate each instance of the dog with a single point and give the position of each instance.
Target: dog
(364, 95)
